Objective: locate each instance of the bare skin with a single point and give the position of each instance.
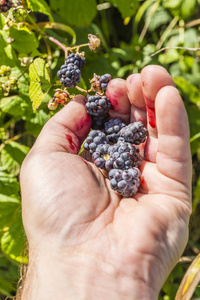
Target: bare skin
(85, 242)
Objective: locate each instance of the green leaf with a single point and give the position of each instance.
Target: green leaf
(24, 40)
(172, 3)
(13, 241)
(127, 8)
(15, 105)
(78, 13)
(8, 184)
(160, 17)
(9, 276)
(188, 89)
(12, 156)
(40, 6)
(187, 8)
(36, 122)
(7, 54)
(8, 207)
(40, 82)
(169, 57)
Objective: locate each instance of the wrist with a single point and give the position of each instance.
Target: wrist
(56, 275)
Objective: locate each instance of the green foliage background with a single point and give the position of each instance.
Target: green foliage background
(132, 32)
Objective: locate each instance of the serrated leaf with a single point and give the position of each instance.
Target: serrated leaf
(78, 13)
(40, 6)
(13, 241)
(127, 8)
(8, 184)
(8, 207)
(40, 82)
(12, 156)
(24, 40)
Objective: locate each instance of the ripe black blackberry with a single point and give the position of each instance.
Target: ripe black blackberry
(102, 158)
(104, 79)
(134, 133)
(75, 59)
(98, 105)
(70, 72)
(70, 75)
(5, 5)
(112, 128)
(121, 155)
(125, 155)
(95, 138)
(125, 182)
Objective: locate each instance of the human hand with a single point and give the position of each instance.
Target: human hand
(85, 242)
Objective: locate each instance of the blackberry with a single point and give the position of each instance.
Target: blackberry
(125, 155)
(95, 138)
(134, 133)
(75, 59)
(70, 72)
(121, 155)
(98, 122)
(112, 128)
(125, 182)
(5, 5)
(70, 75)
(104, 79)
(98, 105)
(102, 158)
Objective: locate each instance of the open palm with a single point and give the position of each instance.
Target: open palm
(67, 201)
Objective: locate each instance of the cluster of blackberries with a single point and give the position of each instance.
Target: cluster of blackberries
(70, 72)
(115, 151)
(5, 5)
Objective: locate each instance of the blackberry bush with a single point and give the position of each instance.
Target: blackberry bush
(134, 133)
(125, 182)
(95, 138)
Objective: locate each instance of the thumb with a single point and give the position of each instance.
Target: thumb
(66, 130)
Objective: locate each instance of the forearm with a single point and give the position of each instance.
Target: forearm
(55, 276)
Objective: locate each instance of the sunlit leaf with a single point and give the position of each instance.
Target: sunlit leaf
(190, 281)
(40, 82)
(40, 6)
